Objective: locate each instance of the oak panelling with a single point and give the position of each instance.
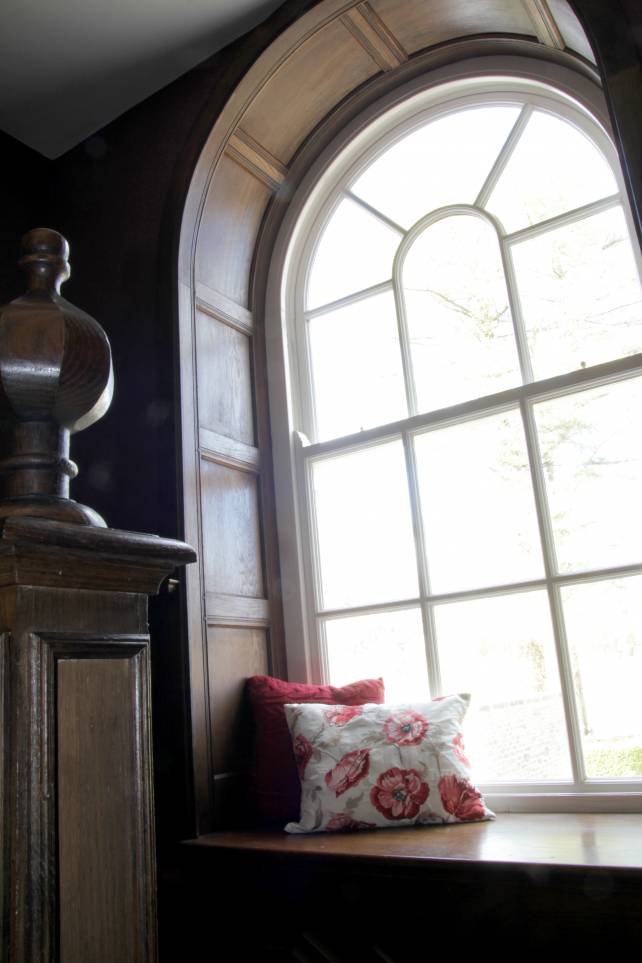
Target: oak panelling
(315, 77)
(256, 159)
(223, 373)
(373, 35)
(231, 533)
(236, 610)
(219, 306)
(233, 655)
(234, 207)
(571, 29)
(227, 451)
(419, 25)
(99, 814)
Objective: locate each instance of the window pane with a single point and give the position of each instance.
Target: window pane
(435, 166)
(356, 367)
(459, 322)
(604, 630)
(580, 294)
(356, 250)
(387, 644)
(501, 650)
(477, 504)
(591, 448)
(366, 545)
(554, 168)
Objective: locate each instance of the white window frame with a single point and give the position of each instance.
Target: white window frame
(446, 89)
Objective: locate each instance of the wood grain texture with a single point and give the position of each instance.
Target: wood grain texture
(419, 25)
(561, 839)
(224, 379)
(236, 610)
(103, 868)
(227, 451)
(234, 207)
(256, 159)
(219, 306)
(232, 556)
(375, 38)
(305, 88)
(234, 654)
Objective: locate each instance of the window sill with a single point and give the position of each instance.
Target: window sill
(564, 841)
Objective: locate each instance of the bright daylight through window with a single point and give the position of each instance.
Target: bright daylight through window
(466, 312)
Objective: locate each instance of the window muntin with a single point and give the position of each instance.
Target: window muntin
(352, 634)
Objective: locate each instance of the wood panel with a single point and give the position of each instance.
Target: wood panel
(373, 35)
(305, 88)
(229, 224)
(231, 534)
(97, 814)
(223, 371)
(256, 159)
(419, 25)
(234, 654)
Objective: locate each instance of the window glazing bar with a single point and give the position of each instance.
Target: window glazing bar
(503, 157)
(561, 220)
(555, 387)
(348, 299)
(571, 713)
(397, 228)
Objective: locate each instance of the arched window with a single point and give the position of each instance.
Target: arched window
(463, 348)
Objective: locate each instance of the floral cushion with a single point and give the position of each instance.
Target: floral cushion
(275, 789)
(363, 767)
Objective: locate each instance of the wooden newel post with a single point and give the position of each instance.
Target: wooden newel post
(76, 815)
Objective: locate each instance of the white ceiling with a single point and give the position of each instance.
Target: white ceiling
(68, 67)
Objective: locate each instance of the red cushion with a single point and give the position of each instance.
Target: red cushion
(275, 782)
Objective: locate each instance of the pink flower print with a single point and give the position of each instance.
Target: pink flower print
(460, 798)
(399, 793)
(339, 715)
(302, 751)
(341, 822)
(460, 752)
(350, 770)
(405, 728)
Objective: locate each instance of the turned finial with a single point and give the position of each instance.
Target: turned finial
(55, 379)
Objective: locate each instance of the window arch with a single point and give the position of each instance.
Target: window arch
(496, 304)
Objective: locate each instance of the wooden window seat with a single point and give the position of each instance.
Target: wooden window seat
(544, 880)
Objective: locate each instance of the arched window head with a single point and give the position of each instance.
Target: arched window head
(463, 316)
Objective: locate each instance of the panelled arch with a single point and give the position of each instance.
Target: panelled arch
(314, 79)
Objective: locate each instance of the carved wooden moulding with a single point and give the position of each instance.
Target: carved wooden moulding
(55, 379)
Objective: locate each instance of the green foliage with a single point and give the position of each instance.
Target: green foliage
(615, 762)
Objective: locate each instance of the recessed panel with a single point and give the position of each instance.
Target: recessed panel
(234, 207)
(233, 655)
(231, 535)
(224, 379)
(324, 69)
(100, 810)
(418, 25)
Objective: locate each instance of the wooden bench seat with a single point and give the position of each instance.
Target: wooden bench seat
(548, 881)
